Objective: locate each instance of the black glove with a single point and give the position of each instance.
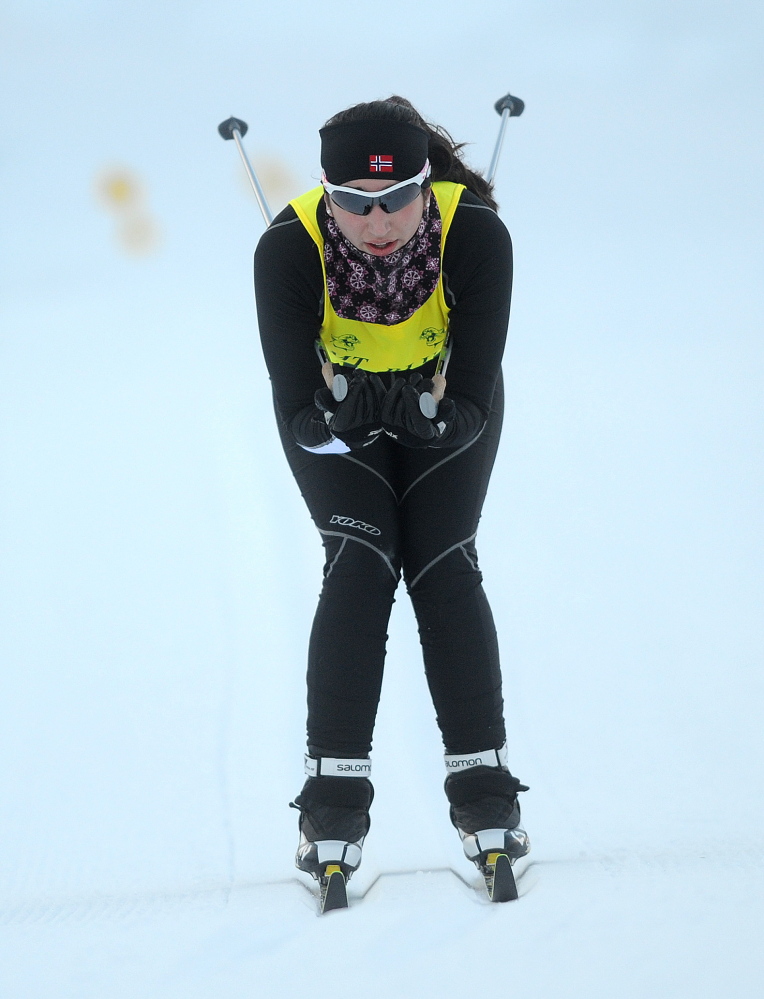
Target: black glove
(356, 420)
(402, 415)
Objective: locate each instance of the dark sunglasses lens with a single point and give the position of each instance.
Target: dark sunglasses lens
(357, 204)
(399, 199)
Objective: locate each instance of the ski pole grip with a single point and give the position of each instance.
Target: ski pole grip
(226, 128)
(507, 103)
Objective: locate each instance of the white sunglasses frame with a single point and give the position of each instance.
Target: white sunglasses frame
(376, 196)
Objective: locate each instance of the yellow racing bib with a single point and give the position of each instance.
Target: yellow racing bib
(373, 346)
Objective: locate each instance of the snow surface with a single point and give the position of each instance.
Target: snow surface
(158, 571)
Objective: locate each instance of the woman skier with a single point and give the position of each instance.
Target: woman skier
(383, 301)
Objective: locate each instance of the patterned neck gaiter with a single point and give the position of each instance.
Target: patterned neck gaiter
(383, 290)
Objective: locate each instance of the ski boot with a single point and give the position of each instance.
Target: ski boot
(485, 811)
(334, 820)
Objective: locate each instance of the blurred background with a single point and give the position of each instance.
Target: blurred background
(158, 571)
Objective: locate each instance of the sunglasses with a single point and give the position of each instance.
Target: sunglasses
(391, 200)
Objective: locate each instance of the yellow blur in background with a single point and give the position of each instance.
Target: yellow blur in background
(121, 192)
(278, 182)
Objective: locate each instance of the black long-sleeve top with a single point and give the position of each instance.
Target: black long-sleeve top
(477, 282)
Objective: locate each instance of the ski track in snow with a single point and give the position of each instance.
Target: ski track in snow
(618, 925)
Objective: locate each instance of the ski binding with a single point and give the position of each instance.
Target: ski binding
(332, 886)
(499, 877)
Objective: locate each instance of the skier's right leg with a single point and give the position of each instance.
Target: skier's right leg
(345, 666)
(346, 654)
(355, 510)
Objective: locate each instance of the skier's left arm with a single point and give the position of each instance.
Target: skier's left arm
(477, 279)
(477, 275)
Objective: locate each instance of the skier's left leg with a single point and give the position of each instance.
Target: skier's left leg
(439, 517)
(439, 521)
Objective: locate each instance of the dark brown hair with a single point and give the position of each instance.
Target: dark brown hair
(444, 154)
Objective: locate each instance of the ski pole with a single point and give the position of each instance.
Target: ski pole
(235, 128)
(336, 381)
(508, 107)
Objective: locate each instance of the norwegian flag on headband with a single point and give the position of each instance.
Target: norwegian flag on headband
(381, 164)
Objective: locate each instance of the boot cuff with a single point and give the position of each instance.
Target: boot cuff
(471, 785)
(340, 792)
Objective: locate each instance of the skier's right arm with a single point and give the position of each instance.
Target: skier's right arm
(288, 290)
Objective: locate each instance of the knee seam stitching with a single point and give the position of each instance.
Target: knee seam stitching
(473, 565)
(362, 541)
(442, 555)
(336, 557)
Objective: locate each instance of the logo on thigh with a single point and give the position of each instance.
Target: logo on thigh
(358, 524)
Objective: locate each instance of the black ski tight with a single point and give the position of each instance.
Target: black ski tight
(384, 511)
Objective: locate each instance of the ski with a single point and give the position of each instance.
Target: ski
(332, 888)
(499, 878)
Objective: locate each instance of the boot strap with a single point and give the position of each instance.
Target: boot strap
(323, 766)
(485, 758)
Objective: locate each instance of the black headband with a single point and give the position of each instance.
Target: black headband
(372, 149)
